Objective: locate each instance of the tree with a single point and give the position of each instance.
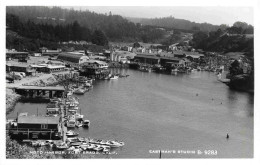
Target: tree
(99, 38)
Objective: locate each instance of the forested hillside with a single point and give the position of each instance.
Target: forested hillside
(238, 38)
(114, 27)
(171, 22)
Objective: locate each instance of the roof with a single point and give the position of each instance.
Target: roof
(56, 88)
(37, 120)
(96, 61)
(71, 57)
(152, 56)
(55, 66)
(171, 58)
(17, 64)
(17, 52)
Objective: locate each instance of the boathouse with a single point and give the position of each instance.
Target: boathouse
(34, 127)
(73, 59)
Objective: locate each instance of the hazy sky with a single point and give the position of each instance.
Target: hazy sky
(213, 15)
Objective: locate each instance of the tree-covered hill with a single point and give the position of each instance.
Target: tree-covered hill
(171, 22)
(115, 27)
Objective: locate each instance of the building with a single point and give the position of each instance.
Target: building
(47, 52)
(52, 68)
(95, 69)
(147, 59)
(20, 56)
(122, 56)
(95, 64)
(73, 59)
(19, 67)
(127, 48)
(175, 61)
(34, 127)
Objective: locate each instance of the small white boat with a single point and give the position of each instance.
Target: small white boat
(91, 146)
(80, 91)
(71, 133)
(113, 77)
(113, 143)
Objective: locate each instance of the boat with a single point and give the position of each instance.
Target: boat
(80, 91)
(91, 146)
(72, 139)
(86, 123)
(62, 146)
(71, 133)
(113, 143)
(75, 144)
(79, 124)
(113, 77)
(106, 148)
(98, 148)
(79, 116)
(71, 123)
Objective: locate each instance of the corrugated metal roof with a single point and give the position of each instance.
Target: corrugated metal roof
(37, 120)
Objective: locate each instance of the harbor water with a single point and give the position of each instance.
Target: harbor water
(151, 112)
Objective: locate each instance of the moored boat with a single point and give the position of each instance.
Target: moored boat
(71, 133)
(86, 123)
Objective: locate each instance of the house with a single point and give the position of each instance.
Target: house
(34, 127)
(73, 59)
(127, 48)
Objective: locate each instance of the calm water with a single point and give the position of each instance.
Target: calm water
(150, 111)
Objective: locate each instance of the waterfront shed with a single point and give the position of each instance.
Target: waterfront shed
(38, 122)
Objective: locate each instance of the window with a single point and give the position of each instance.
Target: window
(44, 126)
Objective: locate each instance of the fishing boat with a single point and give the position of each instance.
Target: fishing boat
(71, 133)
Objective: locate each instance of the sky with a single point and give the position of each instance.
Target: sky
(211, 14)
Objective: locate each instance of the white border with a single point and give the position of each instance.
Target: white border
(251, 3)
